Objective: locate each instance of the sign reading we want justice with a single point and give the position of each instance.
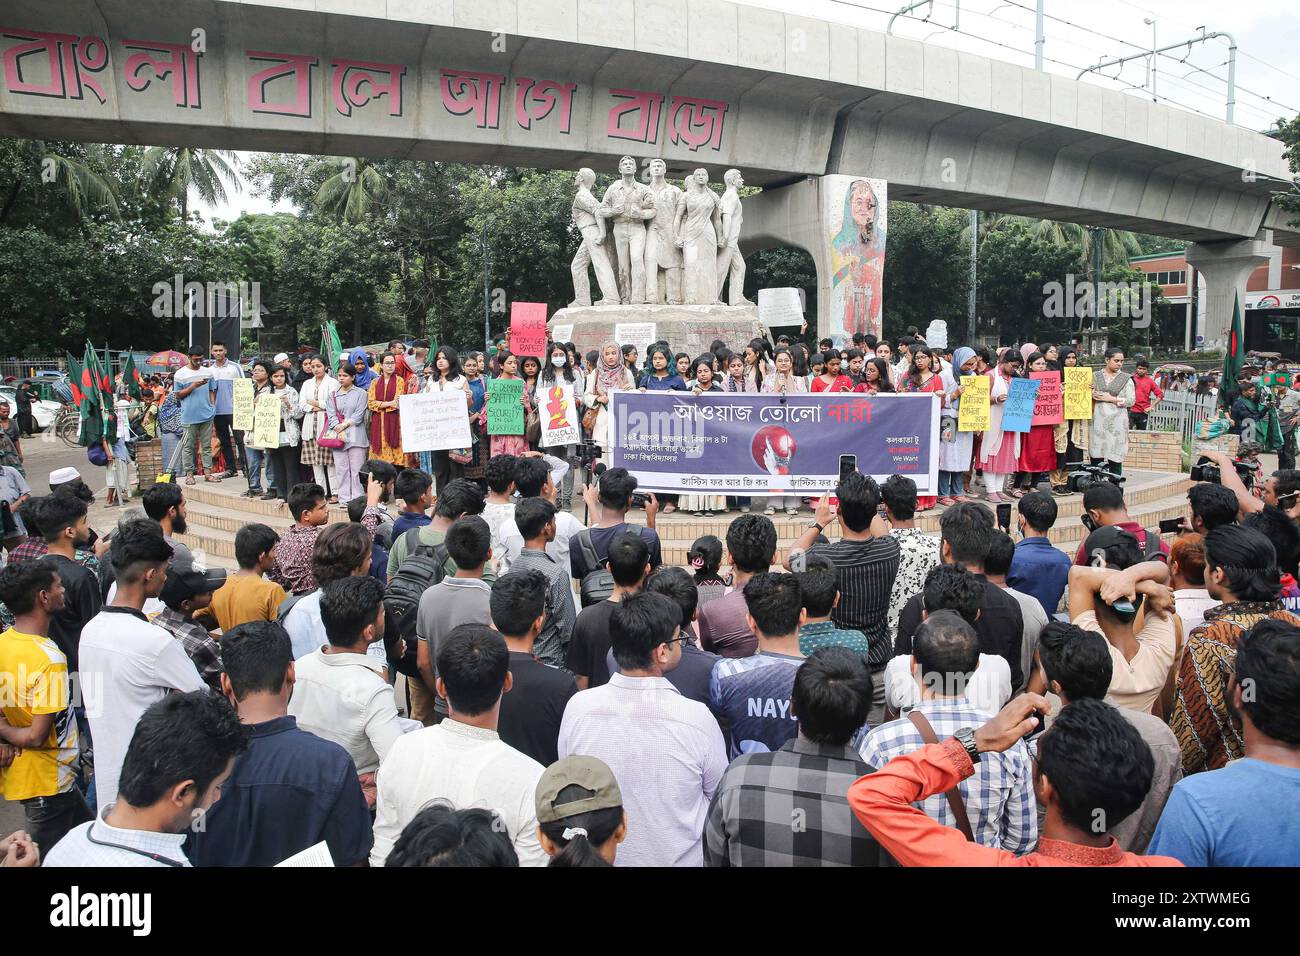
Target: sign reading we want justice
(178, 71)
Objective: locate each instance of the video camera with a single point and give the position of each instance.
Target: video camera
(1081, 477)
(1206, 470)
(586, 453)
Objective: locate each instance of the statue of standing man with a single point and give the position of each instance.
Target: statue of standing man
(589, 216)
(729, 257)
(630, 204)
(663, 260)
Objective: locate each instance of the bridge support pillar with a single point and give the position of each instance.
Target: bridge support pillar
(1226, 267)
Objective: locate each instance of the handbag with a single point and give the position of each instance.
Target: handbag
(331, 443)
(589, 419)
(96, 455)
(533, 428)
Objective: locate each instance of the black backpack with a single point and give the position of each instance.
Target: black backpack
(422, 569)
(598, 584)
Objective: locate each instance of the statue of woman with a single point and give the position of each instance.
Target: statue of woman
(696, 228)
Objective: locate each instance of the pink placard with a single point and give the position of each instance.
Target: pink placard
(1049, 408)
(528, 328)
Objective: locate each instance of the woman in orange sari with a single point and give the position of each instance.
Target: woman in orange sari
(385, 427)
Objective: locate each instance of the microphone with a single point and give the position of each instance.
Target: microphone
(598, 469)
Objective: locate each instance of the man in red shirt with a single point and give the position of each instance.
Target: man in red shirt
(1094, 770)
(1144, 386)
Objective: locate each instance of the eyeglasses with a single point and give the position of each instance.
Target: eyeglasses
(677, 638)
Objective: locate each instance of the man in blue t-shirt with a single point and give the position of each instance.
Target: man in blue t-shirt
(1247, 813)
(196, 390)
(224, 375)
(751, 695)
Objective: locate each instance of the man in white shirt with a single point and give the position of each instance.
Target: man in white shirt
(340, 692)
(499, 508)
(666, 751)
(182, 751)
(126, 663)
(462, 760)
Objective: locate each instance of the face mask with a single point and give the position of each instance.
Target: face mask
(559, 361)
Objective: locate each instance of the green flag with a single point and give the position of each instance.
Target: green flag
(131, 378)
(98, 422)
(330, 346)
(1233, 358)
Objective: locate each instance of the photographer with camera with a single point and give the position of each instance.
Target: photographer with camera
(1281, 489)
(1103, 507)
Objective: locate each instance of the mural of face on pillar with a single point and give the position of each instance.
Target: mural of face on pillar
(773, 449)
(855, 214)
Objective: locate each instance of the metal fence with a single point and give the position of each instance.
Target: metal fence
(29, 366)
(1180, 412)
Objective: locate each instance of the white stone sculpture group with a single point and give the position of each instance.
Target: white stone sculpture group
(670, 246)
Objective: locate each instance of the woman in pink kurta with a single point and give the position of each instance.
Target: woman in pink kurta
(510, 444)
(999, 450)
(1038, 447)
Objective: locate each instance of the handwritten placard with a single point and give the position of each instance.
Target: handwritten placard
(1018, 412)
(780, 307)
(505, 414)
(434, 421)
(243, 392)
(640, 334)
(266, 421)
(558, 416)
(1048, 409)
(1078, 393)
(973, 415)
(562, 333)
(528, 328)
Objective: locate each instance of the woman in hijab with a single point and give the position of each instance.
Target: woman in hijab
(610, 375)
(360, 360)
(385, 426)
(955, 447)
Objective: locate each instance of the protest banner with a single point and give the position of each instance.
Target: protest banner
(528, 328)
(505, 415)
(243, 393)
(1078, 393)
(747, 444)
(434, 421)
(1018, 412)
(1048, 408)
(640, 334)
(559, 416)
(973, 414)
(266, 421)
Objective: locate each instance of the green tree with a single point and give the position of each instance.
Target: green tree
(74, 174)
(354, 188)
(1015, 267)
(174, 171)
(927, 269)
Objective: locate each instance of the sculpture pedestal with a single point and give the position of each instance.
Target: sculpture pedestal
(687, 328)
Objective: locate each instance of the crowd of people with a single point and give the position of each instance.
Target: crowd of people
(466, 673)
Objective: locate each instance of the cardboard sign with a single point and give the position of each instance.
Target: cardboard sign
(559, 416)
(1049, 408)
(434, 421)
(528, 328)
(973, 414)
(780, 307)
(640, 334)
(266, 421)
(505, 414)
(562, 333)
(1078, 393)
(243, 391)
(1018, 412)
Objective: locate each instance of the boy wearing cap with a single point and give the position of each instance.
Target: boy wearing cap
(196, 390)
(580, 817)
(185, 592)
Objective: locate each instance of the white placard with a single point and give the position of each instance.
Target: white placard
(936, 334)
(562, 333)
(640, 334)
(559, 415)
(434, 421)
(780, 307)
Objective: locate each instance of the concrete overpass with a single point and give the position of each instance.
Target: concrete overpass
(566, 83)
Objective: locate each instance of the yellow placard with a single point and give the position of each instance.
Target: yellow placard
(266, 422)
(243, 421)
(1078, 393)
(973, 416)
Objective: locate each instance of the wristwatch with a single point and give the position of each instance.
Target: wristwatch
(966, 737)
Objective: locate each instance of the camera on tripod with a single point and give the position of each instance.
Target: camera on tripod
(1206, 470)
(1081, 477)
(586, 453)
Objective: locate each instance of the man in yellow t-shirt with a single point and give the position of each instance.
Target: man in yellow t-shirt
(247, 595)
(37, 707)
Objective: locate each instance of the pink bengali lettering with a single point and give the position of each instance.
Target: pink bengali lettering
(181, 63)
(286, 64)
(465, 91)
(349, 75)
(645, 106)
(66, 54)
(696, 122)
(536, 100)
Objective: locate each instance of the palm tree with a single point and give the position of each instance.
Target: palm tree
(353, 189)
(80, 185)
(174, 170)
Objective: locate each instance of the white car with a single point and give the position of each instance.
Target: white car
(42, 411)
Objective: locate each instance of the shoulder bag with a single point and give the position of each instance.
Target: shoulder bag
(955, 803)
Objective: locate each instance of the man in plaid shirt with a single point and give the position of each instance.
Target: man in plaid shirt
(184, 592)
(998, 796)
(789, 807)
